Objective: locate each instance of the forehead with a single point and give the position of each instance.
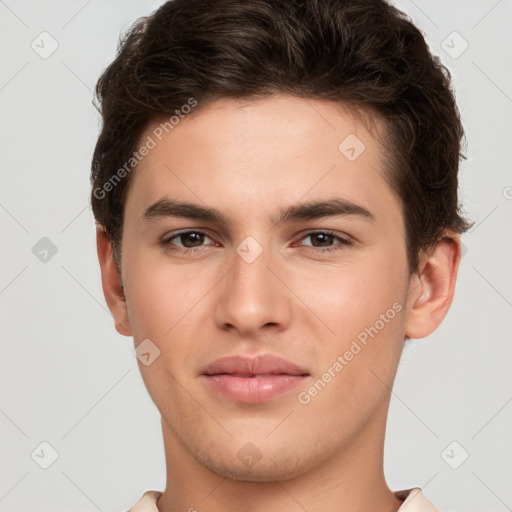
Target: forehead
(250, 154)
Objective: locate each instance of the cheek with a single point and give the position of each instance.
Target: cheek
(359, 361)
(344, 299)
(159, 298)
(170, 303)
(359, 315)
(160, 302)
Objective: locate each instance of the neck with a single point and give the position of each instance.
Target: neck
(351, 479)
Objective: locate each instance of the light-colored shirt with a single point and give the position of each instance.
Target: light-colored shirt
(414, 501)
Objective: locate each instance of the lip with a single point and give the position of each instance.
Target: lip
(261, 364)
(253, 379)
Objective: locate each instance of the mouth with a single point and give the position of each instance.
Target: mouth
(253, 379)
(253, 389)
(248, 375)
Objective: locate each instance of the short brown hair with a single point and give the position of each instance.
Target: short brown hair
(362, 53)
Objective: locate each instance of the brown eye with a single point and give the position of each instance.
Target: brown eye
(325, 239)
(185, 240)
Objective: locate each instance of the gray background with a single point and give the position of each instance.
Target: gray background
(68, 379)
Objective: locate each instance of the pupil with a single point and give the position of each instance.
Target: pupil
(327, 238)
(197, 236)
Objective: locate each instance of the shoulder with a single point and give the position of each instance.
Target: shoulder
(415, 501)
(147, 502)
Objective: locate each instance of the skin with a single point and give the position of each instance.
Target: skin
(250, 159)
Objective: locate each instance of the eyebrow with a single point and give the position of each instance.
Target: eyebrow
(333, 207)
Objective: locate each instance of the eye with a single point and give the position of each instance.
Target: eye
(189, 241)
(193, 240)
(324, 239)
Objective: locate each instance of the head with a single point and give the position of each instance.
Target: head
(250, 109)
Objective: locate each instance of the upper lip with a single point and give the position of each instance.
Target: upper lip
(244, 365)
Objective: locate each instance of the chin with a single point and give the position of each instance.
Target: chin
(258, 473)
(278, 467)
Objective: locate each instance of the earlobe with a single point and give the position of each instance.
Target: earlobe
(431, 290)
(111, 283)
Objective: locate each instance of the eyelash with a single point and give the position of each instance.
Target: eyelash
(166, 242)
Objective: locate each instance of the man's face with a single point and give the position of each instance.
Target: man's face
(253, 286)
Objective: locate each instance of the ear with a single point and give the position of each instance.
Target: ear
(111, 283)
(431, 290)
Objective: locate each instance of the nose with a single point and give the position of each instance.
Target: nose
(252, 297)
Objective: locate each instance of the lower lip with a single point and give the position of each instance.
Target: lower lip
(253, 390)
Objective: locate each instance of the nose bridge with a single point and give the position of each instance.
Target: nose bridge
(251, 296)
